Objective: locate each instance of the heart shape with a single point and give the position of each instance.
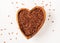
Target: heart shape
(31, 21)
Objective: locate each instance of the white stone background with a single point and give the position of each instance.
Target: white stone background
(10, 32)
